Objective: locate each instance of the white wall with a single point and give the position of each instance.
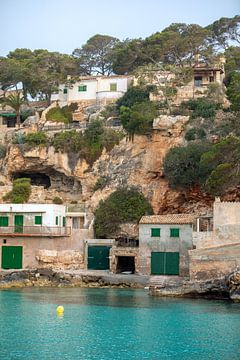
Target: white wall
(48, 211)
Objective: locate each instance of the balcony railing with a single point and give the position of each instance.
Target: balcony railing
(19, 230)
(127, 243)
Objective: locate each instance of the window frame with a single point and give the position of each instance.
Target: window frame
(56, 220)
(2, 219)
(82, 88)
(158, 230)
(114, 85)
(64, 221)
(36, 218)
(65, 90)
(175, 232)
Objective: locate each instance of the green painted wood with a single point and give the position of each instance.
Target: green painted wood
(172, 263)
(157, 263)
(174, 232)
(18, 223)
(155, 232)
(12, 257)
(98, 257)
(3, 221)
(164, 263)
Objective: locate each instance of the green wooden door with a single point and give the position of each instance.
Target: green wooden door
(18, 223)
(98, 257)
(12, 257)
(172, 263)
(157, 263)
(165, 263)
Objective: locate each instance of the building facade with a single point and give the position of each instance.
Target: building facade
(45, 235)
(164, 242)
(93, 89)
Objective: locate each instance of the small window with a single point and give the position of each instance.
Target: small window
(113, 87)
(65, 91)
(64, 221)
(211, 79)
(56, 220)
(198, 81)
(155, 232)
(174, 232)
(3, 221)
(82, 88)
(38, 220)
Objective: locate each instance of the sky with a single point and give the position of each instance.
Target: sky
(64, 25)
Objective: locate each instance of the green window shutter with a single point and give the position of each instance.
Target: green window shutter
(64, 221)
(3, 221)
(65, 91)
(38, 220)
(155, 232)
(56, 221)
(82, 88)
(174, 232)
(113, 87)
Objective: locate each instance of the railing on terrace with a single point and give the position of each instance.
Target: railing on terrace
(76, 208)
(19, 230)
(64, 126)
(127, 243)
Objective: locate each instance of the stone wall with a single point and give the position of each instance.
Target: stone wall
(215, 262)
(124, 251)
(164, 243)
(50, 250)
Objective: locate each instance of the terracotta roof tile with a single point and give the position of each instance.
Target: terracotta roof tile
(168, 219)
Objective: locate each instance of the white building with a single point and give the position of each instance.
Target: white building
(33, 219)
(100, 89)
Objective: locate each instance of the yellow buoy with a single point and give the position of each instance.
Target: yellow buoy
(60, 310)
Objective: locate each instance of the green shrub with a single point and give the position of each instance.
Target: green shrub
(68, 141)
(3, 151)
(134, 95)
(182, 165)
(36, 139)
(139, 118)
(89, 145)
(201, 108)
(63, 114)
(101, 183)
(124, 205)
(195, 133)
(220, 166)
(19, 138)
(20, 192)
(57, 200)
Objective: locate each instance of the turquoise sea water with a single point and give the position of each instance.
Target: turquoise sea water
(115, 324)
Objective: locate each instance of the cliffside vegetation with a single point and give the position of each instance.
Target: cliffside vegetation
(122, 206)
(89, 145)
(20, 192)
(215, 167)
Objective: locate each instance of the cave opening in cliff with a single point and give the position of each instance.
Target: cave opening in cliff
(37, 179)
(126, 264)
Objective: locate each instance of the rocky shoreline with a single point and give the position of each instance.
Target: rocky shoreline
(227, 288)
(57, 278)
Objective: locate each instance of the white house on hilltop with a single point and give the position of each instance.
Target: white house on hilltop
(93, 89)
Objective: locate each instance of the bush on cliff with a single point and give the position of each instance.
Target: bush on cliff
(64, 114)
(123, 205)
(89, 145)
(182, 165)
(20, 192)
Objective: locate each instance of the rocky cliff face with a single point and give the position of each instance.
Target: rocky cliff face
(138, 164)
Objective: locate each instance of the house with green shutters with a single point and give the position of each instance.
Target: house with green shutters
(164, 241)
(27, 228)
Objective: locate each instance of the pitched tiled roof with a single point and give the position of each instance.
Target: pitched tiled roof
(169, 219)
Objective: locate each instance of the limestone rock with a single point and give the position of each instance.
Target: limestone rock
(67, 259)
